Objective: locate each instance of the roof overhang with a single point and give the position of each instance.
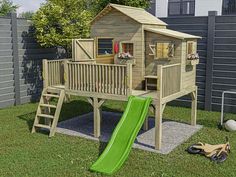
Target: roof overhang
(172, 33)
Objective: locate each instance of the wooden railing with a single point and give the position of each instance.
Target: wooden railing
(169, 79)
(53, 72)
(98, 78)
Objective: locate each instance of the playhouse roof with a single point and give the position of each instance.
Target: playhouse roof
(138, 14)
(172, 33)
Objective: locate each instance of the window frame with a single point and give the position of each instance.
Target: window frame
(193, 43)
(104, 55)
(227, 13)
(181, 2)
(127, 42)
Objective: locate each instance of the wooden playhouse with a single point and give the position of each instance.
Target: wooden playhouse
(130, 52)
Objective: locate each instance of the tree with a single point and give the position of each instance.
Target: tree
(59, 21)
(27, 15)
(6, 7)
(100, 4)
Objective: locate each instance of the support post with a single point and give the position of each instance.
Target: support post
(210, 58)
(194, 108)
(45, 73)
(158, 110)
(145, 125)
(16, 64)
(97, 116)
(129, 79)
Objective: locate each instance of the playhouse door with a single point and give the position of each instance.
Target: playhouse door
(83, 50)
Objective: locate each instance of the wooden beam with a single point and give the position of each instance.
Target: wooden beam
(65, 64)
(90, 100)
(163, 108)
(158, 126)
(97, 116)
(194, 108)
(159, 109)
(100, 103)
(45, 73)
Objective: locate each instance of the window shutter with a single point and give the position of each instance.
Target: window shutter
(159, 50)
(165, 50)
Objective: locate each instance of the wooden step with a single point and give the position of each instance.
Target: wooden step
(53, 90)
(46, 116)
(42, 126)
(48, 105)
(51, 95)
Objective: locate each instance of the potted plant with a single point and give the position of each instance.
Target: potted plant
(193, 59)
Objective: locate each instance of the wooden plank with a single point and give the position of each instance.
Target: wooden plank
(45, 73)
(158, 111)
(194, 108)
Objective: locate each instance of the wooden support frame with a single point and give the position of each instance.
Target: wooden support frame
(129, 79)
(194, 107)
(97, 104)
(159, 110)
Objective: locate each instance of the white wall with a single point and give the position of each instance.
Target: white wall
(161, 8)
(203, 6)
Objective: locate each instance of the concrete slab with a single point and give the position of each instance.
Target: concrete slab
(174, 133)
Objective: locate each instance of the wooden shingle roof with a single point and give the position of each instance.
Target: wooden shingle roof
(138, 14)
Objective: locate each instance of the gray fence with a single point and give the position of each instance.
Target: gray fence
(20, 62)
(21, 57)
(217, 49)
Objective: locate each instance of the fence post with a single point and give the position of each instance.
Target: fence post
(16, 65)
(210, 58)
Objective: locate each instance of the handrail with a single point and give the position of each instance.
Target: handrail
(98, 78)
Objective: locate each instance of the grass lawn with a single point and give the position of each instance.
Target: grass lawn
(25, 154)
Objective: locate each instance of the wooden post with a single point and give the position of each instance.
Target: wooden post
(145, 125)
(45, 73)
(129, 79)
(66, 74)
(158, 110)
(194, 108)
(97, 116)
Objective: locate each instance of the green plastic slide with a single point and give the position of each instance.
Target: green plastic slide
(123, 136)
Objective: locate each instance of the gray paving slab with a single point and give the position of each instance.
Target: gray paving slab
(174, 133)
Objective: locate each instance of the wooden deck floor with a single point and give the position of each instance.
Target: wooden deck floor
(142, 93)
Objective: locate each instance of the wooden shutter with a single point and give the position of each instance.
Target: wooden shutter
(159, 51)
(165, 50)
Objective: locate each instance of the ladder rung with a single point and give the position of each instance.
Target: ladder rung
(42, 126)
(48, 105)
(46, 116)
(53, 90)
(51, 95)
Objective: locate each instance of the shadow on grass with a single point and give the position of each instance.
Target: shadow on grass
(28, 118)
(102, 146)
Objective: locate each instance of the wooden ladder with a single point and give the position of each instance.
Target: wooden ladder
(49, 109)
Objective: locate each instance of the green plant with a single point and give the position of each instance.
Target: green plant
(100, 4)
(27, 15)
(7, 6)
(59, 21)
